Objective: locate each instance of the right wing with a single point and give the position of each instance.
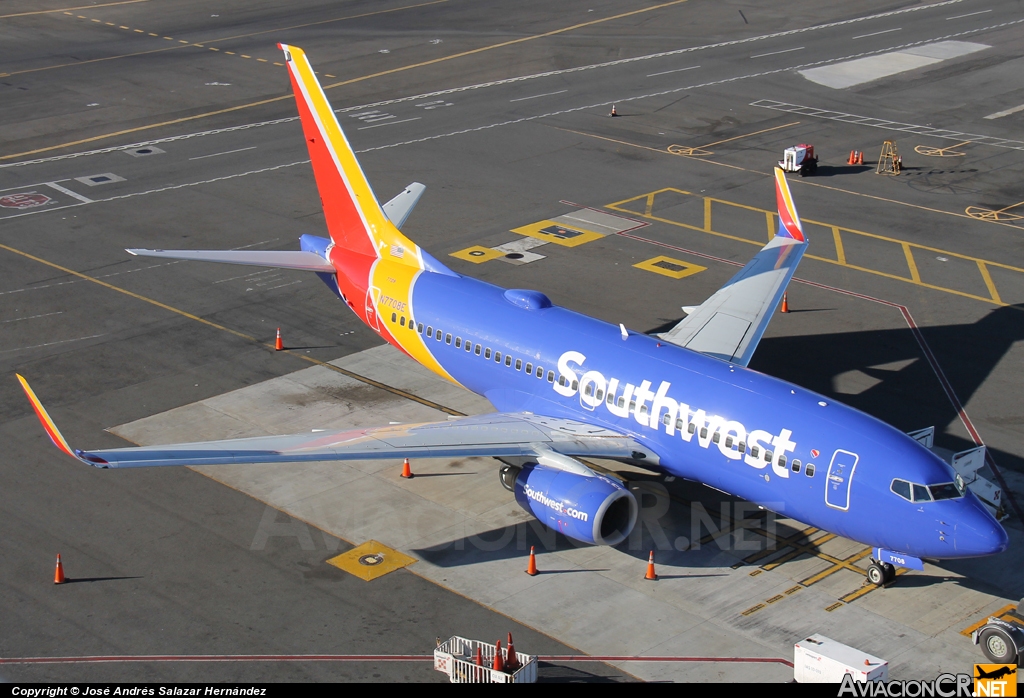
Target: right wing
(552, 441)
(730, 323)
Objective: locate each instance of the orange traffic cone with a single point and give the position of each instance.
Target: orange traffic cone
(406, 470)
(58, 576)
(613, 111)
(511, 661)
(860, 158)
(499, 663)
(852, 160)
(278, 345)
(531, 569)
(785, 302)
(650, 569)
(478, 658)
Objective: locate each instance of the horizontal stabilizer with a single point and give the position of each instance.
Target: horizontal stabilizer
(284, 259)
(398, 209)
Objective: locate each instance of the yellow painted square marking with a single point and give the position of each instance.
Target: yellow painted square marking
(245, 56)
(230, 53)
(670, 267)
(477, 254)
(213, 49)
(275, 63)
(182, 41)
(833, 607)
(566, 236)
(152, 34)
(371, 560)
(139, 31)
(95, 20)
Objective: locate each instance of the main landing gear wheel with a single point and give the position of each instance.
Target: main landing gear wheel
(998, 646)
(508, 474)
(876, 574)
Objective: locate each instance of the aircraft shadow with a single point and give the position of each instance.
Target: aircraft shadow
(83, 580)
(884, 373)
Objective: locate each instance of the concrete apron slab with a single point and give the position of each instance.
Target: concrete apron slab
(470, 536)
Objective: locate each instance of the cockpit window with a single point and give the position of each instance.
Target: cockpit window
(902, 488)
(921, 493)
(946, 490)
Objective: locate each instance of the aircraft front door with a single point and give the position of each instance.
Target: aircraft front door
(839, 479)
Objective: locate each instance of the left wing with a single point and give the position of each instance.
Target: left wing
(730, 323)
(551, 440)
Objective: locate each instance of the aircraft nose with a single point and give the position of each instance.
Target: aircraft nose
(979, 534)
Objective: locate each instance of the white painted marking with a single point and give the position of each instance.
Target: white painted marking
(50, 344)
(775, 53)
(969, 14)
(72, 194)
(1005, 112)
(31, 317)
(677, 70)
(946, 134)
(546, 94)
(506, 81)
(884, 31)
(390, 123)
(244, 276)
(282, 285)
(32, 186)
(226, 152)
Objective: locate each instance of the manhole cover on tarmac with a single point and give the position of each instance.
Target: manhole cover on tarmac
(371, 560)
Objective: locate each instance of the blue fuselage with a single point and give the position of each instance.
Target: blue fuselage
(745, 433)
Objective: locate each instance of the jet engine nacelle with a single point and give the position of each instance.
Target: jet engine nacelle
(596, 510)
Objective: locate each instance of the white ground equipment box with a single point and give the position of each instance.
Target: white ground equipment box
(817, 659)
(456, 658)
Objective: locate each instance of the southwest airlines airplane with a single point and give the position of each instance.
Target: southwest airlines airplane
(569, 387)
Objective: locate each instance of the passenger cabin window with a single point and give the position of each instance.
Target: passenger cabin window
(921, 493)
(742, 447)
(529, 369)
(519, 364)
(447, 339)
(796, 465)
(497, 357)
(768, 456)
(691, 427)
(782, 461)
(540, 371)
(754, 450)
(508, 360)
(809, 470)
(394, 317)
(589, 390)
(902, 488)
(487, 353)
(419, 328)
(728, 442)
(430, 330)
(402, 321)
(477, 352)
(458, 342)
(561, 380)
(469, 345)
(551, 376)
(575, 385)
(600, 395)
(437, 335)
(716, 437)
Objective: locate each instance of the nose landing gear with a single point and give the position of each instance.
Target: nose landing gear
(881, 573)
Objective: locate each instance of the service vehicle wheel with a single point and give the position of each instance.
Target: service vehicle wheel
(876, 574)
(508, 474)
(997, 646)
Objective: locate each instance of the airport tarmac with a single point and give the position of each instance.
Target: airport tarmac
(906, 306)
